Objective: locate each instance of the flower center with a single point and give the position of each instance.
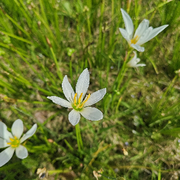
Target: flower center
(14, 142)
(78, 104)
(135, 39)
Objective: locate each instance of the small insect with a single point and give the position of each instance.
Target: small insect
(42, 173)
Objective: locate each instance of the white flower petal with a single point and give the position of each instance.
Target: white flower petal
(128, 22)
(142, 28)
(60, 101)
(137, 60)
(95, 97)
(29, 133)
(124, 34)
(137, 47)
(93, 114)
(140, 65)
(6, 155)
(3, 143)
(17, 128)
(4, 133)
(144, 37)
(135, 55)
(155, 32)
(133, 62)
(83, 83)
(67, 89)
(21, 152)
(74, 117)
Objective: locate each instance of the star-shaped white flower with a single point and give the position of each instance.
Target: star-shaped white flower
(13, 141)
(133, 62)
(77, 101)
(143, 34)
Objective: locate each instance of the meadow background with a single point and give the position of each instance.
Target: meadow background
(41, 41)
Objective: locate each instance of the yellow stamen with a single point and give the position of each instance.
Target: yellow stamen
(75, 99)
(11, 139)
(135, 39)
(77, 104)
(79, 100)
(15, 142)
(85, 101)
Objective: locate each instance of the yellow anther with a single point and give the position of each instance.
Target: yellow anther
(11, 139)
(78, 104)
(15, 142)
(79, 100)
(85, 101)
(75, 100)
(135, 40)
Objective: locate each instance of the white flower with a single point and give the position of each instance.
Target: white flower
(78, 101)
(133, 62)
(13, 141)
(143, 34)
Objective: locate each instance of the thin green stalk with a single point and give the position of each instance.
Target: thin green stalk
(67, 143)
(46, 26)
(165, 93)
(156, 7)
(42, 11)
(89, 26)
(15, 23)
(78, 136)
(102, 34)
(24, 11)
(111, 29)
(119, 79)
(16, 37)
(70, 67)
(57, 66)
(159, 174)
(123, 70)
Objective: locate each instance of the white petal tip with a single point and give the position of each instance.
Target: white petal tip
(35, 126)
(85, 71)
(122, 10)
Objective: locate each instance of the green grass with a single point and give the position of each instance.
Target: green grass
(42, 41)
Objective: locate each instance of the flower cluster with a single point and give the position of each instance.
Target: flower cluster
(77, 100)
(143, 34)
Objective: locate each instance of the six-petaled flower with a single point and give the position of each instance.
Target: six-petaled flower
(78, 101)
(13, 141)
(143, 34)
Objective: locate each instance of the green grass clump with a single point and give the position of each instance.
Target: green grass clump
(42, 41)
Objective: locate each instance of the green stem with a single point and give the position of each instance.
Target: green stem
(123, 70)
(78, 136)
(117, 83)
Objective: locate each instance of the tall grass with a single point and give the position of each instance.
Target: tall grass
(44, 40)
